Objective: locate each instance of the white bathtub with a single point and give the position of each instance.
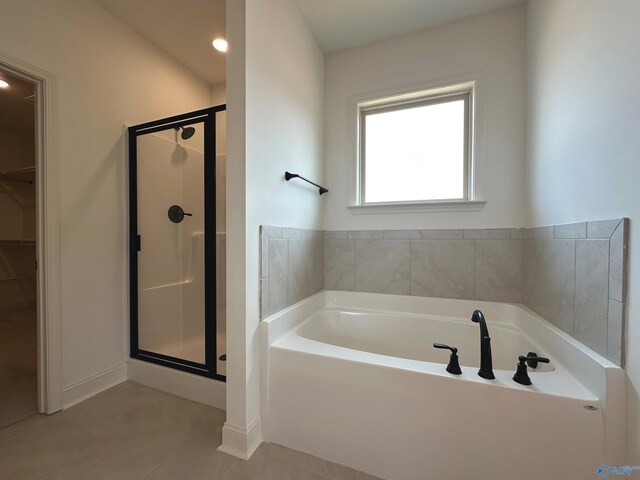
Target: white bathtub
(353, 378)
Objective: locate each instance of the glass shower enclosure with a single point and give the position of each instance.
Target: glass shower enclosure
(175, 251)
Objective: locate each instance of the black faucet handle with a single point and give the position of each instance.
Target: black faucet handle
(454, 366)
(531, 358)
(445, 347)
(522, 376)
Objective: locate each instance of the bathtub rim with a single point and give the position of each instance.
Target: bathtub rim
(596, 373)
(599, 376)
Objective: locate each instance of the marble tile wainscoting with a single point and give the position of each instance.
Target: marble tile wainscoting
(572, 275)
(291, 266)
(465, 264)
(575, 277)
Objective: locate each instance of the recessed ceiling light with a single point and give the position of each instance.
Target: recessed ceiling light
(220, 44)
(4, 83)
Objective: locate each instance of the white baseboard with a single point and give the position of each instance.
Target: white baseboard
(87, 388)
(241, 442)
(182, 384)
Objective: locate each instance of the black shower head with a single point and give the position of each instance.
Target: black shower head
(187, 132)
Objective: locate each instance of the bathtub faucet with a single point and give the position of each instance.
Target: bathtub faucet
(486, 363)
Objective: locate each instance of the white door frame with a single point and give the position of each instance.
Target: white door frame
(48, 232)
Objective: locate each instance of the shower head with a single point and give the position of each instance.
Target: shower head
(187, 132)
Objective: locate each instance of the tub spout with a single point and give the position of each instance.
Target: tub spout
(486, 362)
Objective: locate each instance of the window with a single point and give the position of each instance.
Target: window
(417, 147)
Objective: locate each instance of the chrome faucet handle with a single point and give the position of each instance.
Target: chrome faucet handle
(454, 366)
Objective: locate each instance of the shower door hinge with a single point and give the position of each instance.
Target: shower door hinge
(138, 242)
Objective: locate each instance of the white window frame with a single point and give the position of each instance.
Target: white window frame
(421, 97)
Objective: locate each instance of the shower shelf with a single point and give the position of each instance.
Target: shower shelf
(17, 241)
(22, 175)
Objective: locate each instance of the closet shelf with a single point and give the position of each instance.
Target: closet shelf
(22, 175)
(17, 241)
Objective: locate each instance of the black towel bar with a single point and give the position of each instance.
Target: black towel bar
(288, 176)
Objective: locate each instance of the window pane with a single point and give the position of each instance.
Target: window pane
(415, 153)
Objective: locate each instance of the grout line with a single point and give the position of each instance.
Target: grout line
(606, 335)
(575, 277)
(475, 269)
(410, 277)
(523, 272)
(286, 283)
(355, 264)
(616, 228)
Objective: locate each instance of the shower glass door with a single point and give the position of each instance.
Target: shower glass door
(173, 256)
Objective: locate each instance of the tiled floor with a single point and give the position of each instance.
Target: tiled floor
(18, 365)
(132, 432)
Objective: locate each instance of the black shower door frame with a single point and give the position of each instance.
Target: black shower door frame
(208, 118)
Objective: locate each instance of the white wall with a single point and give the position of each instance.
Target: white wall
(584, 135)
(283, 103)
(489, 48)
(107, 76)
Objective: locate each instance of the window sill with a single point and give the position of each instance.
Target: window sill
(418, 207)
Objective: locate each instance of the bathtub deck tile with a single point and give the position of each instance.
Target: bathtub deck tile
(270, 231)
(383, 266)
(264, 298)
(615, 337)
(278, 274)
(550, 280)
(487, 233)
(602, 229)
(264, 256)
(499, 270)
(336, 234)
(306, 268)
(441, 234)
(365, 234)
(617, 263)
(591, 293)
(517, 233)
(401, 234)
(288, 232)
(340, 264)
(570, 230)
(539, 232)
(443, 268)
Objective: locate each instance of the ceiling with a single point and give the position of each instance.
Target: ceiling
(182, 28)
(342, 24)
(185, 28)
(17, 113)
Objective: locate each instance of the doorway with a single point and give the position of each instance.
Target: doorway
(18, 279)
(174, 249)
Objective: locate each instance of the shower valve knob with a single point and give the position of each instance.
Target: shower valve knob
(176, 214)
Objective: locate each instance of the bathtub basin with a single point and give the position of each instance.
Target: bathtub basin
(353, 378)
